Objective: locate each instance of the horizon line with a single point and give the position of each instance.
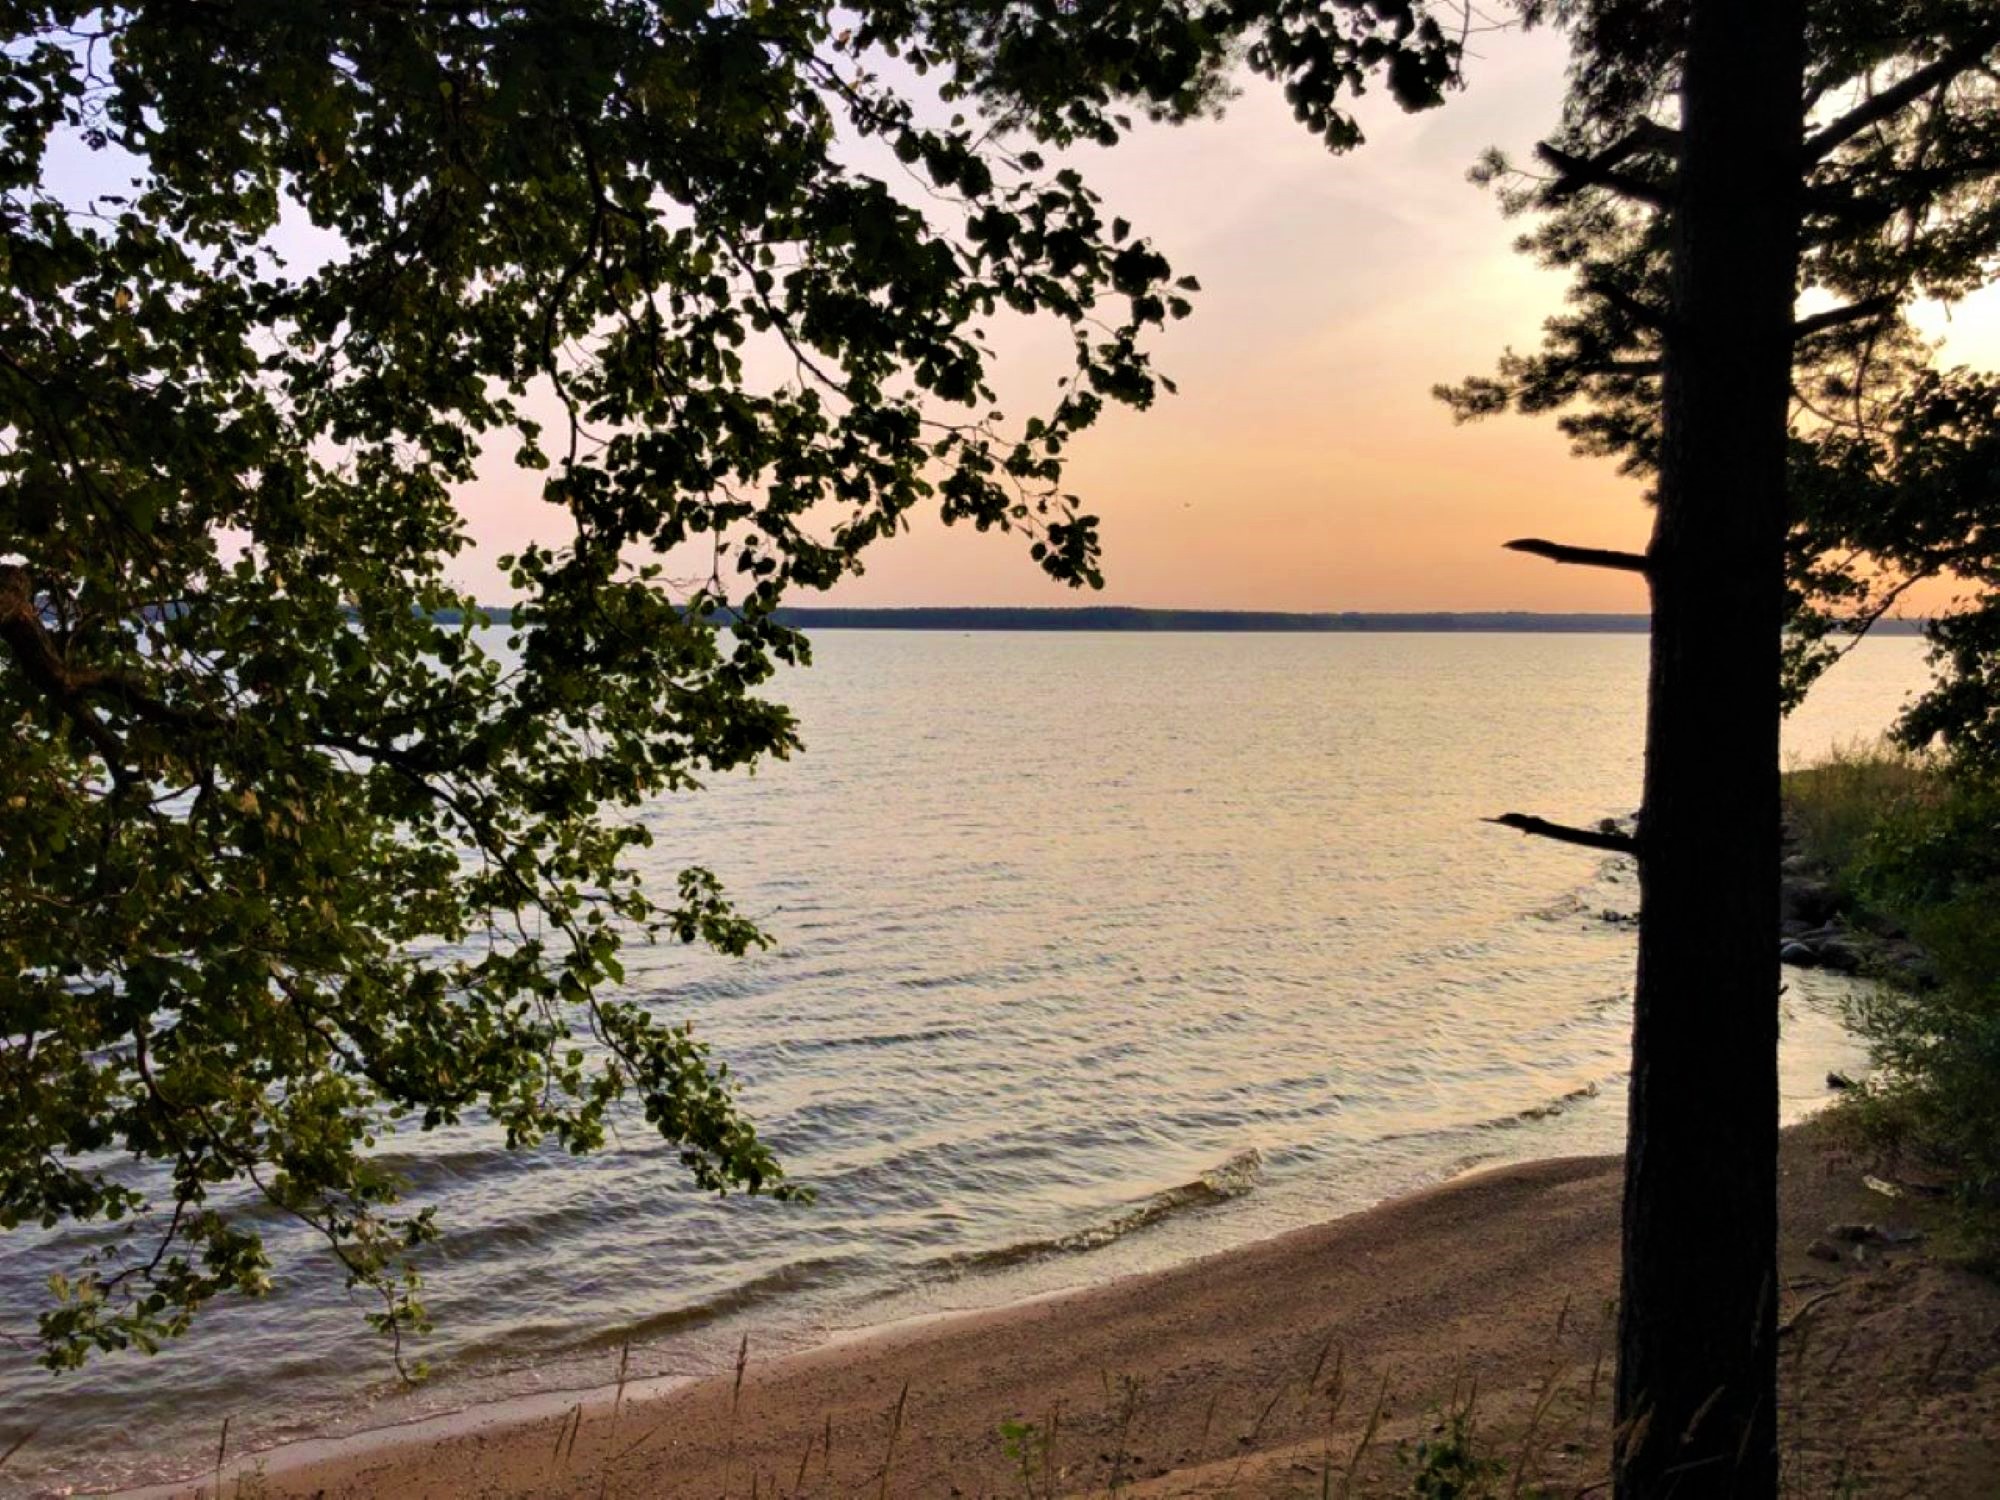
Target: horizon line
(1135, 618)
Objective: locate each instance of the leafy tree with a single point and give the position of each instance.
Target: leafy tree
(1909, 492)
(1716, 161)
(294, 857)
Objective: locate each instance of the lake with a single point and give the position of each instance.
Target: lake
(1095, 953)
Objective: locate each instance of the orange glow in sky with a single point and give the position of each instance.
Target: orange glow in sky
(1304, 464)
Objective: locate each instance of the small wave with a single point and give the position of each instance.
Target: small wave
(1548, 1109)
(1231, 1179)
(918, 1036)
(532, 1345)
(758, 1289)
(1556, 1106)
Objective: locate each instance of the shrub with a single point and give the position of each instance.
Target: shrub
(1915, 842)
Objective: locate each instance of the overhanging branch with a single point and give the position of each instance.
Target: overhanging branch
(74, 691)
(1588, 557)
(34, 653)
(1563, 833)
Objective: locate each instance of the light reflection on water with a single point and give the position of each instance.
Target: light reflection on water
(1096, 952)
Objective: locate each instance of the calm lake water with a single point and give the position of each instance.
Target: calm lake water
(1096, 952)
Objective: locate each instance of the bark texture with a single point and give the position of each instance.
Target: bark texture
(1697, 1372)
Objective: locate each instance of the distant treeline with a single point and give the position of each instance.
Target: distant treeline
(1112, 617)
(1119, 617)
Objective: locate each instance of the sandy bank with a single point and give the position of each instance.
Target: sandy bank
(1256, 1371)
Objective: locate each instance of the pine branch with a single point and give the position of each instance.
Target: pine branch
(1882, 106)
(1588, 557)
(1837, 317)
(1580, 172)
(1563, 833)
(1634, 307)
(1842, 210)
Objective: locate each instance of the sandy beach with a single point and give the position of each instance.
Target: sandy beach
(1261, 1371)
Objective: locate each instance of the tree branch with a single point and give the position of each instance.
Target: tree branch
(1588, 557)
(1881, 106)
(1563, 833)
(1634, 307)
(28, 642)
(1580, 172)
(1837, 317)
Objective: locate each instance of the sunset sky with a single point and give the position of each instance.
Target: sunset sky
(1304, 465)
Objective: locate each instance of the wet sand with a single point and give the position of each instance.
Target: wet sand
(1260, 1371)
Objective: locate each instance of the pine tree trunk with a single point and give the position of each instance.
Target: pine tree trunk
(1697, 1373)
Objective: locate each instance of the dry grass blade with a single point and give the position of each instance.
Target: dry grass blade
(1701, 1415)
(1590, 1397)
(1937, 1363)
(1049, 1452)
(1132, 1389)
(1207, 1421)
(17, 1445)
(1367, 1438)
(1249, 1444)
(895, 1431)
(1523, 1460)
(1336, 1394)
(1629, 1437)
(1799, 1314)
(1312, 1380)
(617, 1401)
(799, 1483)
(1749, 1430)
(735, 1401)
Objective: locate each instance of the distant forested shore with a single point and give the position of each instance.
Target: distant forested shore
(1120, 617)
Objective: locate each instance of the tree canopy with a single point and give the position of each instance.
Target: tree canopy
(296, 856)
(1893, 458)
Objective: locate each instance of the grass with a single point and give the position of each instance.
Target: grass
(1834, 806)
(1304, 1435)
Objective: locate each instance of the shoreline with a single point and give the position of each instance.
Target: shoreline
(1214, 1376)
(385, 1459)
(439, 1413)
